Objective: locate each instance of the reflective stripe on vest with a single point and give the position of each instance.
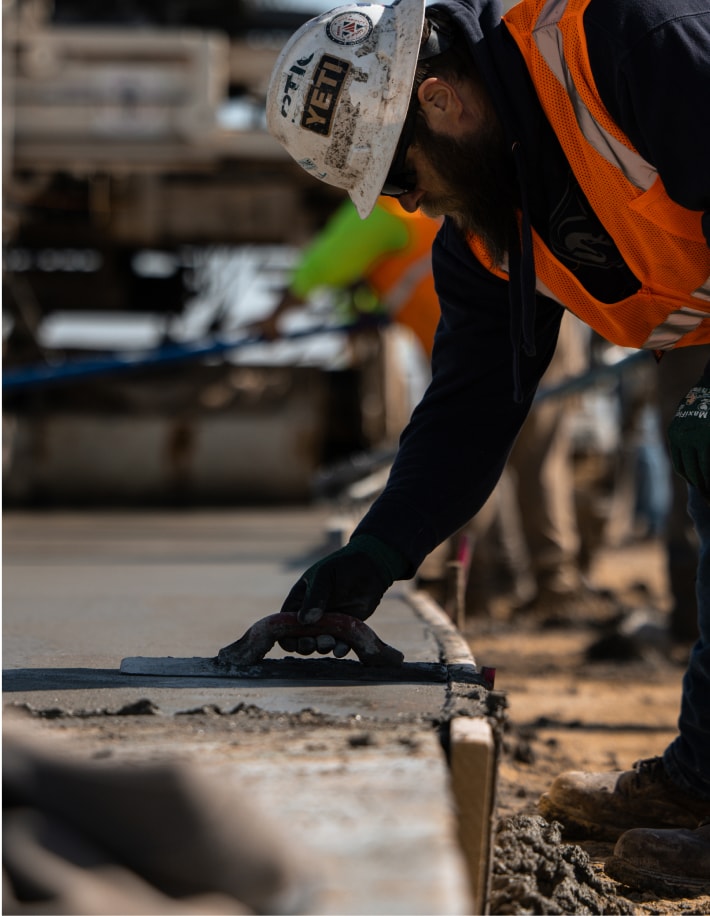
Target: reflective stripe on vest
(548, 39)
(661, 242)
(403, 289)
(403, 280)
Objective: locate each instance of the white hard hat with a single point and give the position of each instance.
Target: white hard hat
(340, 91)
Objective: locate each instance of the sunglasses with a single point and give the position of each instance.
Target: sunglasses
(401, 179)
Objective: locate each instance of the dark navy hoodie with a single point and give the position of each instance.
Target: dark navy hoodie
(651, 65)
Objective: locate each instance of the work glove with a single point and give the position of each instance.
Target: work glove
(689, 436)
(351, 580)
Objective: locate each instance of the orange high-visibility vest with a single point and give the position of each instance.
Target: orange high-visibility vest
(661, 242)
(403, 280)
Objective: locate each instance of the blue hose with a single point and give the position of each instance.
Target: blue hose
(40, 375)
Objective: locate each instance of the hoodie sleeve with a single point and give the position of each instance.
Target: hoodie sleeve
(651, 65)
(454, 449)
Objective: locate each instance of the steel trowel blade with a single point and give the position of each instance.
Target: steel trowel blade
(310, 669)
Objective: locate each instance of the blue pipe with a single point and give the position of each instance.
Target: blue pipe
(589, 378)
(40, 375)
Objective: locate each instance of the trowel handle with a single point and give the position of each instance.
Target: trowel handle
(265, 633)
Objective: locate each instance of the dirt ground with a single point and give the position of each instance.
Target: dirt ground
(568, 712)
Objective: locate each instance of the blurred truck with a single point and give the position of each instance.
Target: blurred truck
(134, 129)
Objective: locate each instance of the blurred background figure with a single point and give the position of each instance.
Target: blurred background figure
(641, 489)
(527, 547)
(542, 462)
(100, 837)
(380, 265)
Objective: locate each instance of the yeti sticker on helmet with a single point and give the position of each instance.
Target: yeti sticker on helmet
(349, 28)
(328, 80)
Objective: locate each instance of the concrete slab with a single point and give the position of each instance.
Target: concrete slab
(348, 757)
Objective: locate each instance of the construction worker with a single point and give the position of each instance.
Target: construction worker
(567, 144)
(390, 252)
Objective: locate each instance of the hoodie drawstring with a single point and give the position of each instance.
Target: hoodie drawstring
(521, 292)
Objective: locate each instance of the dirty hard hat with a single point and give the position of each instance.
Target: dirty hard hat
(340, 91)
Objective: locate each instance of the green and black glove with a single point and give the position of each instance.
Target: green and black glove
(351, 580)
(689, 436)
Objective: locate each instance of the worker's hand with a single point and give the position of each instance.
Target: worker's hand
(689, 437)
(350, 581)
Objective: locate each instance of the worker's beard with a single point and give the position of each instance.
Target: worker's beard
(477, 173)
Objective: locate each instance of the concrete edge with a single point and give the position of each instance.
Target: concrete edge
(472, 754)
(474, 763)
(454, 648)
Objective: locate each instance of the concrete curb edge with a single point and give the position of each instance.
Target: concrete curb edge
(453, 646)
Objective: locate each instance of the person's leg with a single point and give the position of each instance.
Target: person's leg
(678, 371)
(673, 861)
(542, 459)
(672, 791)
(681, 542)
(687, 760)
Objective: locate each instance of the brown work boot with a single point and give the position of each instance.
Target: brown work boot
(604, 805)
(668, 862)
(562, 608)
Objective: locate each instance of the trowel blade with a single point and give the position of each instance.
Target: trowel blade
(171, 667)
(313, 670)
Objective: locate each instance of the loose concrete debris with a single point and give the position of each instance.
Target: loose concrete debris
(534, 872)
(142, 707)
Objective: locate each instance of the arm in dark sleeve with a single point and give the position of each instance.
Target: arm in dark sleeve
(454, 449)
(651, 65)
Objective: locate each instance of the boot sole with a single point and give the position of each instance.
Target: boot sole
(646, 880)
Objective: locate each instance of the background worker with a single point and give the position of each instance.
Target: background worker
(390, 252)
(542, 461)
(544, 139)
(527, 545)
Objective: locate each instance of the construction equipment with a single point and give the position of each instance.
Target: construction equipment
(137, 160)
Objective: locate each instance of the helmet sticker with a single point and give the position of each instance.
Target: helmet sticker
(293, 82)
(349, 28)
(322, 99)
(310, 166)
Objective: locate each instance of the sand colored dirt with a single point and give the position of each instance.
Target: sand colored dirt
(567, 711)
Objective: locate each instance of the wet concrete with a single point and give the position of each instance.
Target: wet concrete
(535, 872)
(361, 748)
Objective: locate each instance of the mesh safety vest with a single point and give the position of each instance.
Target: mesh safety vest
(660, 241)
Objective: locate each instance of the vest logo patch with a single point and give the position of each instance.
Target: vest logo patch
(577, 237)
(349, 28)
(322, 98)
